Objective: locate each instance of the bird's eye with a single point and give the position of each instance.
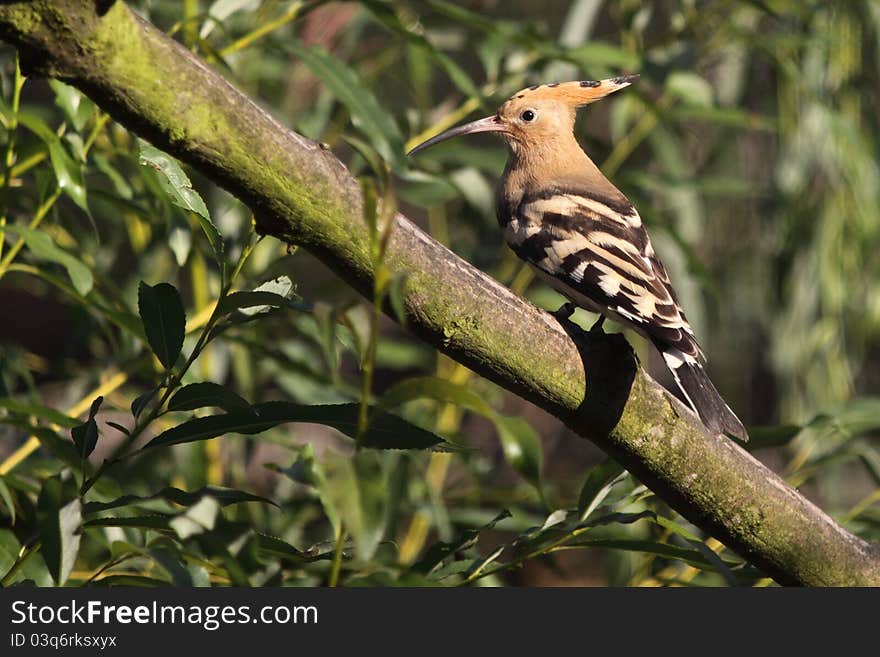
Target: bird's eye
(528, 116)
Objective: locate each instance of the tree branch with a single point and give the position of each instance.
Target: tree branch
(302, 194)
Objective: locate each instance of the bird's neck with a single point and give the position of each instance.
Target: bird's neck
(551, 165)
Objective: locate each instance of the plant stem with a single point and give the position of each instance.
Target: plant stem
(336, 566)
(247, 40)
(22, 559)
(9, 157)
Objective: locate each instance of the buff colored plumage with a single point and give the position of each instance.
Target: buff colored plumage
(582, 235)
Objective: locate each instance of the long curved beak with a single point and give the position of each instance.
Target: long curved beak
(488, 124)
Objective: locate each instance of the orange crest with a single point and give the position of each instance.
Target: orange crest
(574, 94)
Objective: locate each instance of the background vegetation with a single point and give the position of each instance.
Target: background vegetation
(749, 146)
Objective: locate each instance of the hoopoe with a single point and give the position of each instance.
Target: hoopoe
(560, 214)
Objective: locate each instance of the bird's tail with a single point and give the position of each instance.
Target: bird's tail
(702, 396)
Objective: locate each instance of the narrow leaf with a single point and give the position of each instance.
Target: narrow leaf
(68, 172)
(201, 517)
(220, 10)
(224, 497)
(119, 428)
(140, 402)
(76, 107)
(386, 431)
(522, 448)
(598, 484)
(154, 521)
(85, 437)
(173, 180)
(39, 411)
(357, 485)
(367, 114)
(275, 293)
(43, 246)
(6, 496)
(59, 513)
(200, 395)
(429, 387)
(164, 320)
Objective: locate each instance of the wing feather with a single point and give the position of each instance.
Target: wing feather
(597, 250)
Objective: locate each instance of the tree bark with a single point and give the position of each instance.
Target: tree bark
(302, 194)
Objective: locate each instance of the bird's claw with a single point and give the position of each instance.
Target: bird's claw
(597, 327)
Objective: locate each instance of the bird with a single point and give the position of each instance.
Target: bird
(560, 214)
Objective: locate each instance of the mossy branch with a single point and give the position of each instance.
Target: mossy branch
(302, 194)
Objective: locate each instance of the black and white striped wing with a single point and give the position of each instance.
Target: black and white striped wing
(597, 253)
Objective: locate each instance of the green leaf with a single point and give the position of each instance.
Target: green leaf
(440, 551)
(519, 441)
(9, 550)
(397, 296)
(429, 387)
(690, 88)
(600, 53)
(43, 246)
(358, 488)
(85, 436)
(6, 496)
(224, 497)
(33, 571)
(170, 561)
(154, 521)
(479, 565)
(692, 557)
(275, 293)
(121, 429)
(59, 447)
(220, 10)
(675, 528)
(522, 448)
(251, 303)
(59, 514)
(200, 395)
(386, 431)
(716, 561)
(622, 518)
(725, 116)
(367, 115)
(215, 239)
(120, 184)
(180, 239)
(68, 172)
(76, 107)
(140, 402)
(763, 437)
(164, 320)
(200, 517)
(274, 546)
(38, 410)
(173, 180)
(600, 480)
(308, 471)
(387, 15)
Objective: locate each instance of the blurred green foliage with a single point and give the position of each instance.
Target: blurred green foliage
(140, 311)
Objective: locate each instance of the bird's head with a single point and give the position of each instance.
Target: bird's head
(537, 115)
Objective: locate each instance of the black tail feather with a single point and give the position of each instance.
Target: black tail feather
(703, 398)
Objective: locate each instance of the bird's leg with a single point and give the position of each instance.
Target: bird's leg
(565, 311)
(597, 327)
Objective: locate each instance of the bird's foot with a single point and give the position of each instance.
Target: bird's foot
(565, 311)
(597, 327)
